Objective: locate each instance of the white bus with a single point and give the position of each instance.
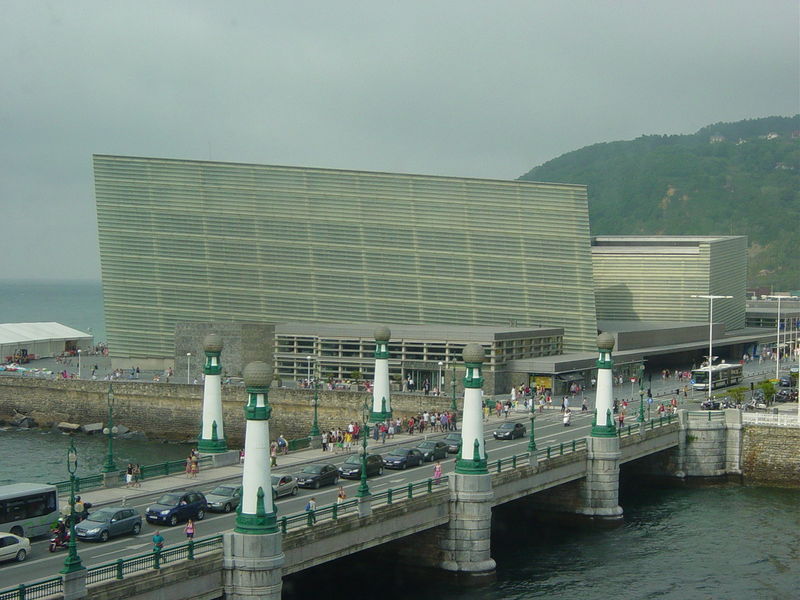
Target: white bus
(722, 375)
(28, 509)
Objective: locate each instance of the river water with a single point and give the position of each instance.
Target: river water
(684, 542)
(40, 456)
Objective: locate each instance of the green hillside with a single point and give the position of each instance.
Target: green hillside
(728, 178)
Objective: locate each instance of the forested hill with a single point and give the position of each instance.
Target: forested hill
(729, 178)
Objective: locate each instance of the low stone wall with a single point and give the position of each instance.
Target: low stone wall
(771, 455)
(173, 411)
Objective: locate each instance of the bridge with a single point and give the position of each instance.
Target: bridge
(421, 508)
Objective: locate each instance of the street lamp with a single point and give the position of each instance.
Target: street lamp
(79, 361)
(710, 298)
(453, 406)
(440, 384)
(188, 367)
(315, 423)
(110, 431)
(308, 368)
(73, 562)
(777, 334)
(532, 441)
(363, 489)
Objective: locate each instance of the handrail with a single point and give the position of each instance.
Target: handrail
(310, 517)
(152, 560)
(92, 482)
(31, 591)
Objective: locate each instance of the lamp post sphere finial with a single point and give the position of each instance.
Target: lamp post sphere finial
(382, 334)
(212, 342)
(473, 353)
(605, 341)
(257, 374)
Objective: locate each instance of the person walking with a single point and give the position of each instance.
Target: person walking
(129, 475)
(137, 474)
(195, 466)
(283, 445)
(311, 507)
(189, 529)
(437, 472)
(273, 454)
(158, 542)
(341, 496)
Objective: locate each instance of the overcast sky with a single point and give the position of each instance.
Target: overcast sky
(456, 87)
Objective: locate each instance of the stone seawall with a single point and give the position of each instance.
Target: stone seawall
(771, 455)
(173, 411)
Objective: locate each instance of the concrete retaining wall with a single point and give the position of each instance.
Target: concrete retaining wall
(173, 411)
(771, 455)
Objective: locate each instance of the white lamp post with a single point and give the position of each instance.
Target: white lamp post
(308, 368)
(188, 367)
(710, 298)
(778, 334)
(79, 363)
(440, 385)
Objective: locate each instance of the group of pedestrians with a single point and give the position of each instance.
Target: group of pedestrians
(193, 464)
(132, 474)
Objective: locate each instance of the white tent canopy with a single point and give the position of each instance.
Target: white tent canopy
(41, 339)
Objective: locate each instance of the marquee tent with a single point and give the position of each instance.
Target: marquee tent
(41, 339)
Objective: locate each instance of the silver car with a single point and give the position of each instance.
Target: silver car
(109, 521)
(14, 547)
(283, 485)
(224, 498)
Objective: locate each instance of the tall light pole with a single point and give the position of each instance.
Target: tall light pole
(79, 360)
(440, 383)
(110, 430)
(73, 562)
(777, 333)
(308, 368)
(453, 405)
(188, 367)
(363, 489)
(710, 298)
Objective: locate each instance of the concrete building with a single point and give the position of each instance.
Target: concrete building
(190, 240)
(653, 278)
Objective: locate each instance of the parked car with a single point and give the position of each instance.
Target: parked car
(283, 485)
(177, 506)
(224, 498)
(14, 547)
(351, 468)
(315, 476)
(433, 449)
(453, 441)
(785, 381)
(108, 522)
(402, 458)
(509, 431)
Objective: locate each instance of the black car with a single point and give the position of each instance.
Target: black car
(509, 431)
(785, 381)
(402, 458)
(453, 441)
(351, 468)
(433, 449)
(315, 476)
(177, 506)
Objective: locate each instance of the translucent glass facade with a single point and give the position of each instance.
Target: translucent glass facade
(202, 241)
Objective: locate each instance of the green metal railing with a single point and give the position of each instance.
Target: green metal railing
(311, 517)
(93, 482)
(299, 443)
(120, 568)
(39, 589)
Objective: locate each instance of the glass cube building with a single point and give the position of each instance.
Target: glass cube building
(184, 240)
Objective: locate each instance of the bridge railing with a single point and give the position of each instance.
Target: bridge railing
(706, 415)
(152, 560)
(93, 482)
(660, 421)
(38, 589)
(561, 449)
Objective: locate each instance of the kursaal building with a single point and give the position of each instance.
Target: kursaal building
(184, 241)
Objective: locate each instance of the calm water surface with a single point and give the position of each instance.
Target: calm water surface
(720, 542)
(34, 456)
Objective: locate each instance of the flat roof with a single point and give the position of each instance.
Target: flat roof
(19, 333)
(624, 326)
(442, 333)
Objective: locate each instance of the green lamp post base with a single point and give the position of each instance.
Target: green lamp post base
(212, 446)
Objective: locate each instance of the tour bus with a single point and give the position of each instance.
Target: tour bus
(28, 509)
(722, 375)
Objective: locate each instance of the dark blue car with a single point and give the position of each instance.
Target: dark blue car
(173, 507)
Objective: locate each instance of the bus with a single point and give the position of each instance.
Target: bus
(28, 509)
(722, 375)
